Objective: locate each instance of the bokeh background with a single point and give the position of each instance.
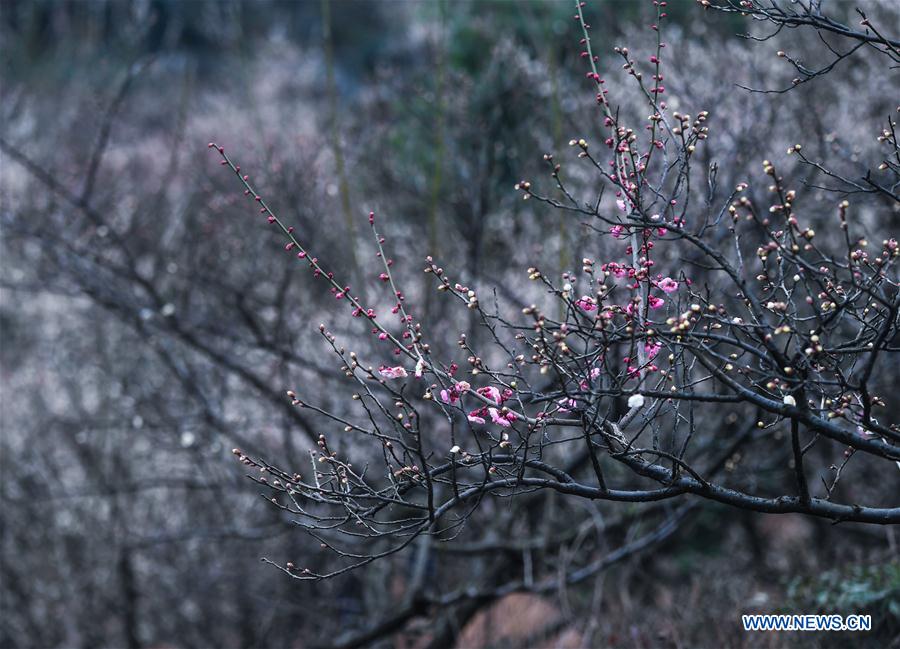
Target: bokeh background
(150, 321)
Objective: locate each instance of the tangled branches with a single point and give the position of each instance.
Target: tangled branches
(724, 351)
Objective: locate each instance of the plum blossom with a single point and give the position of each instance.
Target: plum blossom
(392, 372)
(636, 401)
(453, 395)
(618, 231)
(653, 301)
(585, 382)
(586, 303)
(625, 205)
(668, 285)
(420, 368)
(491, 393)
(567, 404)
(501, 419)
(618, 270)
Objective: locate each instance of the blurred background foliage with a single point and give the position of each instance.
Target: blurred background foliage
(872, 590)
(150, 323)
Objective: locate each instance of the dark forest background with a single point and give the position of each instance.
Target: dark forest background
(150, 324)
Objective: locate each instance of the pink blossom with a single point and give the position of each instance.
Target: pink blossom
(586, 303)
(668, 285)
(392, 372)
(592, 375)
(566, 404)
(491, 393)
(655, 302)
(478, 415)
(618, 269)
(453, 395)
(618, 231)
(497, 418)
